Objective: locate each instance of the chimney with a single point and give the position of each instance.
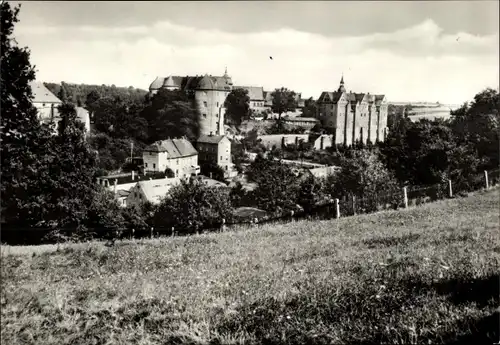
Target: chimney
(116, 182)
(133, 174)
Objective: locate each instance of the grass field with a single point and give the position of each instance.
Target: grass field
(423, 275)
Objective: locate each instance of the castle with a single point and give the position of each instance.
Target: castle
(353, 116)
(209, 93)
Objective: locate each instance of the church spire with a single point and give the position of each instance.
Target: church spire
(341, 87)
(225, 73)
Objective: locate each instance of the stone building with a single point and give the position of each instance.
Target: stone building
(209, 94)
(216, 149)
(47, 105)
(176, 154)
(353, 116)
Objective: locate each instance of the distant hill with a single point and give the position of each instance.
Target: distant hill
(77, 93)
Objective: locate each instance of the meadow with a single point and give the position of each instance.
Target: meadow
(427, 274)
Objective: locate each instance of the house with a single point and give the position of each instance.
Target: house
(353, 116)
(256, 95)
(47, 105)
(208, 93)
(216, 149)
(177, 155)
(150, 190)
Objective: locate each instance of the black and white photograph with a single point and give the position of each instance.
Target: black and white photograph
(250, 172)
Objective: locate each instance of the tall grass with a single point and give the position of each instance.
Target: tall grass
(423, 275)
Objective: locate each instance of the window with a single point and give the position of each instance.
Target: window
(146, 165)
(216, 115)
(204, 115)
(220, 157)
(154, 166)
(217, 104)
(205, 104)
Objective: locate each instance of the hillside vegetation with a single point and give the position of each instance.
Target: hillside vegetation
(424, 275)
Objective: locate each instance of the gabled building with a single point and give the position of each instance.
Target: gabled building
(208, 93)
(353, 116)
(150, 191)
(178, 155)
(47, 105)
(216, 149)
(256, 95)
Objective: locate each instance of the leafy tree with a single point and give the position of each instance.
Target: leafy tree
(277, 185)
(171, 114)
(478, 124)
(363, 174)
(169, 173)
(192, 206)
(22, 138)
(311, 193)
(237, 106)
(213, 171)
(284, 100)
(310, 108)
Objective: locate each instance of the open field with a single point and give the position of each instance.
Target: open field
(422, 275)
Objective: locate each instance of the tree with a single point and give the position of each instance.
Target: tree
(237, 106)
(169, 173)
(363, 174)
(22, 137)
(310, 108)
(213, 171)
(311, 193)
(192, 206)
(171, 114)
(478, 124)
(283, 101)
(277, 185)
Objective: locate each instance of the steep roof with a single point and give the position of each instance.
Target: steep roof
(175, 148)
(332, 96)
(41, 94)
(256, 93)
(210, 139)
(154, 190)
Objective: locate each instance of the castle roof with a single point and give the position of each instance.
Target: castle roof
(206, 82)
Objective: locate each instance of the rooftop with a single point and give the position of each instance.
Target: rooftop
(155, 190)
(210, 139)
(41, 94)
(175, 148)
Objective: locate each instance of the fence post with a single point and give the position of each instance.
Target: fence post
(151, 235)
(405, 196)
(486, 179)
(450, 189)
(337, 209)
(223, 227)
(173, 232)
(354, 204)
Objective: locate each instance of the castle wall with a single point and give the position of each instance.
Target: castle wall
(210, 104)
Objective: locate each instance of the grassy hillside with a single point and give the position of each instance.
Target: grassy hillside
(428, 274)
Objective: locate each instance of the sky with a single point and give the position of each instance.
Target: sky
(444, 51)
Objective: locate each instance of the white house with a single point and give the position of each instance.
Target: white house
(178, 155)
(150, 190)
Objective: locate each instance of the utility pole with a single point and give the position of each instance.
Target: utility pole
(131, 151)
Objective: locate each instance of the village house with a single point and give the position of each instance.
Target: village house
(353, 116)
(47, 105)
(216, 149)
(150, 191)
(208, 93)
(178, 155)
(256, 95)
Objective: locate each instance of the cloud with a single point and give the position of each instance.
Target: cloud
(417, 63)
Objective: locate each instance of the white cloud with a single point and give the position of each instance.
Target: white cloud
(416, 63)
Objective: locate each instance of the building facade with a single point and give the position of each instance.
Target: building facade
(47, 105)
(208, 93)
(177, 155)
(353, 117)
(216, 149)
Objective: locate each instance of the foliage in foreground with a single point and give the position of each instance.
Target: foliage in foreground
(427, 275)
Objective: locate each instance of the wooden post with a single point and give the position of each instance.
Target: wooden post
(151, 236)
(173, 232)
(450, 189)
(354, 204)
(405, 196)
(486, 179)
(223, 227)
(337, 209)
